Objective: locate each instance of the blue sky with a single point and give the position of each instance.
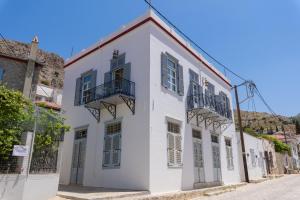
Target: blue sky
(258, 39)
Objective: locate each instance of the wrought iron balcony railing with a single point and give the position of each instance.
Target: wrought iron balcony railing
(210, 102)
(114, 87)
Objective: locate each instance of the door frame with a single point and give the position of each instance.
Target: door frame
(74, 139)
(201, 142)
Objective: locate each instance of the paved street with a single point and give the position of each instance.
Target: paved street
(285, 188)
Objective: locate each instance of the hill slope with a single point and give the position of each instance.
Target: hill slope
(264, 121)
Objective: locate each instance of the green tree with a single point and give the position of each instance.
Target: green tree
(16, 116)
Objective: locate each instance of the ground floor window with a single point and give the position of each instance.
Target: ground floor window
(112, 145)
(174, 145)
(229, 155)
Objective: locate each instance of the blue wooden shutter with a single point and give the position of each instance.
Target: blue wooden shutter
(171, 149)
(107, 77)
(113, 64)
(164, 70)
(93, 83)
(116, 154)
(127, 71)
(180, 85)
(107, 151)
(93, 78)
(77, 98)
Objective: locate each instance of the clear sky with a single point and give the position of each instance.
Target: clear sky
(259, 39)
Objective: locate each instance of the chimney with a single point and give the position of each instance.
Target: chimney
(34, 48)
(28, 87)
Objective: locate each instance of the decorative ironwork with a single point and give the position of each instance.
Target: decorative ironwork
(208, 108)
(44, 160)
(130, 102)
(114, 87)
(10, 165)
(110, 107)
(95, 112)
(99, 95)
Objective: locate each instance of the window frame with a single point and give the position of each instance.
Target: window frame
(112, 136)
(89, 83)
(176, 134)
(170, 77)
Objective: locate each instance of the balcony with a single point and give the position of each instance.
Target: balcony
(108, 96)
(208, 108)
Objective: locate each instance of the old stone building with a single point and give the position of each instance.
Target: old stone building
(36, 73)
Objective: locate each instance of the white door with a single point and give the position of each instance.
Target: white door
(198, 161)
(216, 158)
(78, 158)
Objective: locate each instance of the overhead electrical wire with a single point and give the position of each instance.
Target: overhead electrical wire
(254, 89)
(192, 41)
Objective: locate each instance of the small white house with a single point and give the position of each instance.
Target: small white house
(147, 112)
(260, 155)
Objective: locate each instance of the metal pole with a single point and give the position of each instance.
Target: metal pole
(36, 113)
(241, 134)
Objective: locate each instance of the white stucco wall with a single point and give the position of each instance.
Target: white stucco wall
(134, 170)
(258, 145)
(168, 105)
(31, 187)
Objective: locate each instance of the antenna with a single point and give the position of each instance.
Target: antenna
(72, 51)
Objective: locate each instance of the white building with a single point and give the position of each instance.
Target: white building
(49, 96)
(157, 115)
(260, 155)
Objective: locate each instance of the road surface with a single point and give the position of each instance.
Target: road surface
(285, 188)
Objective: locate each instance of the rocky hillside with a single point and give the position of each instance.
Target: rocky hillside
(264, 121)
(52, 72)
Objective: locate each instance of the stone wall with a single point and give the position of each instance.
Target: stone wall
(51, 73)
(14, 73)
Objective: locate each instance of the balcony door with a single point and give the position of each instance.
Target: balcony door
(118, 76)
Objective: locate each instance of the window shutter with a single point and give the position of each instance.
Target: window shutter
(164, 70)
(180, 86)
(107, 77)
(231, 159)
(116, 154)
(77, 99)
(94, 78)
(178, 149)
(171, 150)
(113, 64)
(127, 71)
(93, 83)
(117, 142)
(107, 150)
(228, 157)
(121, 59)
